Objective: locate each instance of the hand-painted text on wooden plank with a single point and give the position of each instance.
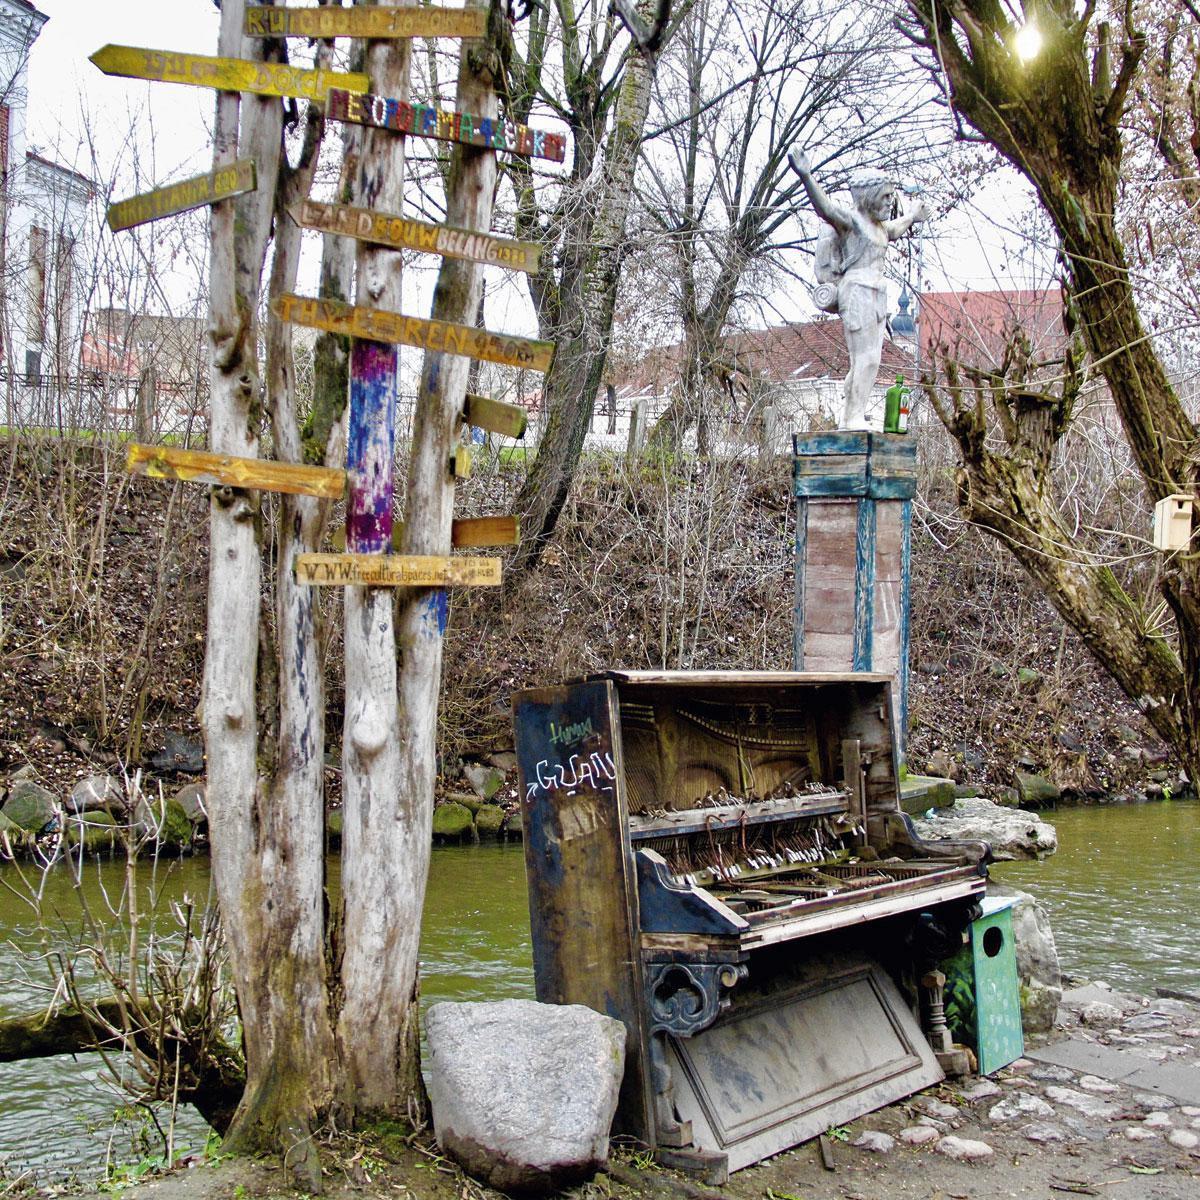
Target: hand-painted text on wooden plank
(380, 325)
(402, 233)
(228, 181)
(228, 74)
(375, 22)
(386, 112)
(393, 570)
(198, 466)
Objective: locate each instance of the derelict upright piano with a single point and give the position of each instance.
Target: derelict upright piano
(720, 860)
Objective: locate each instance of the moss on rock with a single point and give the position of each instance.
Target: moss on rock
(453, 823)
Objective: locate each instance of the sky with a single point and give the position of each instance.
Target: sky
(81, 118)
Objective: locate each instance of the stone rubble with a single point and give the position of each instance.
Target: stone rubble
(964, 1149)
(1057, 1108)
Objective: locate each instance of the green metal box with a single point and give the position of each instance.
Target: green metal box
(983, 996)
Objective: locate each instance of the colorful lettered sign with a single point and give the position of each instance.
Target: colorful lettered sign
(426, 120)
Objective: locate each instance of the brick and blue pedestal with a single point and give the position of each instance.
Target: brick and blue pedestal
(854, 495)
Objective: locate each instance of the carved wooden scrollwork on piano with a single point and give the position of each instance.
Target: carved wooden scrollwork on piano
(685, 998)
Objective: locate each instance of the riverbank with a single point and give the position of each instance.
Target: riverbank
(1121, 1120)
(104, 624)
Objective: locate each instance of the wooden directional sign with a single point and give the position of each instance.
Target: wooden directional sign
(198, 466)
(401, 233)
(468, 532)
(394, 570)
(421, 120)
(380, 325)
(485, 531)
(508, 420)
(232, 180)
(374, 22)
(228, 74)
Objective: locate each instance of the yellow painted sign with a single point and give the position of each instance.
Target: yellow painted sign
(199, 466)
(395, 570)
(233, 180)
(380, 325)
(373, 22)
(509, 420)
(402, 233)
(227, 74)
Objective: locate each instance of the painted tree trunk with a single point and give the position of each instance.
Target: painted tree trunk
(379, 917)
(429, 511)
(266, 832)
(578, 369)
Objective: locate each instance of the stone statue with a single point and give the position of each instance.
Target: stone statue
(850, 271)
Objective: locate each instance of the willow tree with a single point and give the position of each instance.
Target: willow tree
(328, 1004)
(1059, 117)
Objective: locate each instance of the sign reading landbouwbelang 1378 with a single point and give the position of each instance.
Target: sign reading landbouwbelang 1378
(404, 233)
(425, 120)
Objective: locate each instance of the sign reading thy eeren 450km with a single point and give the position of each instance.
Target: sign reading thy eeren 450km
(373, 22)
(233, 180)
(380, 325)
(227, 74)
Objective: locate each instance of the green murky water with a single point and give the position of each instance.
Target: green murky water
(1123, 893)
(56, 1114)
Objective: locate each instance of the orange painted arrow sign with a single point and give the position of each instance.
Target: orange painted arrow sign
(403, 233)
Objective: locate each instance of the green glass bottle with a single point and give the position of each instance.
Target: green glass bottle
(895, 409)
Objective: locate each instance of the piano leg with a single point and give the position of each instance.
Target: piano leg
(954, 1060)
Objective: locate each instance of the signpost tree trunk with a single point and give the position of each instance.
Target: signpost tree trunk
(328, 1009)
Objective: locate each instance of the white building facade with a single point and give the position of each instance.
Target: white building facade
(43, 208)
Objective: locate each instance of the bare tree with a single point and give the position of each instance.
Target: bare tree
(1072, 151)
(600, 86)
(738, 88)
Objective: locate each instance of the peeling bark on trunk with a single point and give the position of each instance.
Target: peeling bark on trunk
(379, 921)
(267, 832)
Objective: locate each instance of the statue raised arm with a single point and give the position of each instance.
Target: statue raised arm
(849, 268)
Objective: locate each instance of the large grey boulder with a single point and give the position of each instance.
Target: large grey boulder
(1012, 833)
(30, 805)
(97, 793)
(1037, 959)
(523, 1094)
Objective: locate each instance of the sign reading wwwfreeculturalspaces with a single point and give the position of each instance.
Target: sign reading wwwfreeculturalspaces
(376, 21)
(233, 180)
(402, 233)
(227, 74)
(424, 120)
(380, 325)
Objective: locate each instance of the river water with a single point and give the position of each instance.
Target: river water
(1122, 894)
